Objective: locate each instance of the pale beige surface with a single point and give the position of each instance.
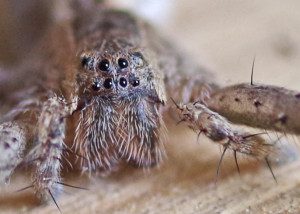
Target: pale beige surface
(225, 35)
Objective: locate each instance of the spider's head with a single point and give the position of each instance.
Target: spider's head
(122, 90)
(119, 75)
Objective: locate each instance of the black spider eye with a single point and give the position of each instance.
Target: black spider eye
(135, 83)
(104, 65)
(123, 63)
(108, 83)
(123, 82)
(96, 86)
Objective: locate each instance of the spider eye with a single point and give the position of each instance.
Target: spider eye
(123, 63)
(96, 86)
(135, 83)
(104, 65)
(123, 82)
(108, 83)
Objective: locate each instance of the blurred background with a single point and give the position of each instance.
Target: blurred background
(225, 36)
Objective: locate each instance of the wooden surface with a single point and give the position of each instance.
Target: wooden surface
(225, 35)
(184, 184)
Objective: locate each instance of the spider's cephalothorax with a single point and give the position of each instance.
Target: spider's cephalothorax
(120, 95)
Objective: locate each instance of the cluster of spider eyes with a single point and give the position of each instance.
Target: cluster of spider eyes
(108, 83)
(104, 65)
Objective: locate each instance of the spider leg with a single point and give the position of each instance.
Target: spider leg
(219, 130)
(34, 137)
(16, 133)
(262, 106)
(12, 146)
(46, 156)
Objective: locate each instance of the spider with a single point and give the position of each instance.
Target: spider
(108, 92)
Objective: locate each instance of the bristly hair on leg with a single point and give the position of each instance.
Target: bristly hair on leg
(219, 130)
(252, 71)
(220, 162)
(270, 168)
(50, 193)
(68, 185)
(178, 106)
(236, 161)
(24, 188)
(253, 135)
(45, 157)
(198, 135)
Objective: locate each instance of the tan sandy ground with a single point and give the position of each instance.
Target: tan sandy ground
(225, 35)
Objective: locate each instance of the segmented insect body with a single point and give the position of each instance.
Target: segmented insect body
(105, 76)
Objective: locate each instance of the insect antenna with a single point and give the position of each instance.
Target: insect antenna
(236, 162)
(270, 168)
(24, 188)
(54, 200)
(220, 162)
(252, 71)
(68, 185)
